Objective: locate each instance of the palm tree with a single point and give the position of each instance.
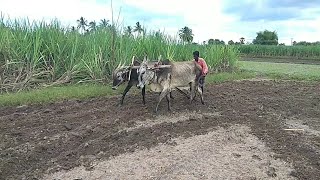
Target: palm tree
(104, 23)
(242, 40)
(186, 34)
(93, 25)
(128, 30)
(230, 42)
(138, 28)
(73, 29)
(82, 23)
(211, 41)
(158, 33)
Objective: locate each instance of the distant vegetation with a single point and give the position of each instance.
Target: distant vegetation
(266, 45)
(303, 52)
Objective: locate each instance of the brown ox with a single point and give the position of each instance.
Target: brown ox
(180, 74)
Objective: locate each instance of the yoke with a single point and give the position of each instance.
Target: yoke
(157, 67)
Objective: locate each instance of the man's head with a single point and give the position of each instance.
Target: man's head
(196, 55)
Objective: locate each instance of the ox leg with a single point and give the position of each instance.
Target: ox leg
(192, 91)
(143, 95)
(168, 101)
(162, 95)
(171, 95)
(124, 93)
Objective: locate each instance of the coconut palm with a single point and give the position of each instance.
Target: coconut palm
(73, 29)
(93, 25)
(242, 40)
(104, 23)
(138, 28)
(128, 30)
(186, 34)
(82, 23)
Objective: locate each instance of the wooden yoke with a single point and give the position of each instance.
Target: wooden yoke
(153, 68)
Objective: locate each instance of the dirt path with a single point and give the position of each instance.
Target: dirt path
(220, 154)
(95, 134)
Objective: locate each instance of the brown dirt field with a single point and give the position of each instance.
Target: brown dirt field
(238, 134)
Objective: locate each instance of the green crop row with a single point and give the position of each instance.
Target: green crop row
(278, 51)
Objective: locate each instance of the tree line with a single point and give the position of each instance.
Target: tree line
(93, 26)
(186, 35)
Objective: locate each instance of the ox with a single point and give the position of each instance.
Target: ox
(126, 74)
(180, 74)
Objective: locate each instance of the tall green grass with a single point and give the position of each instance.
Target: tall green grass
(34, 54)
(280, 51)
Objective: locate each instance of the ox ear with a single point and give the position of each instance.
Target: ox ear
(119, 65)
(132, 60)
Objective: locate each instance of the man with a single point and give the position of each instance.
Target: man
(204, 66)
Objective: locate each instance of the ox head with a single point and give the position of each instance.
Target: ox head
(144, 74)
(119, 75)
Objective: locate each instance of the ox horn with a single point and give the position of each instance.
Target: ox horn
(145, 59)
(121, 65)
(118, 65)
(159, 58)
(131, 68)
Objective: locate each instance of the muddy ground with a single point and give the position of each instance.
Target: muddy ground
(246, 130)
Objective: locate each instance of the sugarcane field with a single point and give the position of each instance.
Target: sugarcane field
(85, 98)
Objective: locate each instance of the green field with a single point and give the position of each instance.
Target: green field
(85, 91)
(39, 54)
(247, 70)
(282, 70)
(293, 52)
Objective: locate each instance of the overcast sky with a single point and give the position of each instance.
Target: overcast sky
(217, 19)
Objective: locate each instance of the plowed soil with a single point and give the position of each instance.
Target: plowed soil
(246, 130)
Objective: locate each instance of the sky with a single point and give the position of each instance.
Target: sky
(297, 20)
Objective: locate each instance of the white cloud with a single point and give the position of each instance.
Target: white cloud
(67, 11)
(204, 17)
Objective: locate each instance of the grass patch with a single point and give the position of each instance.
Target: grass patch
(85, 91)
(247, 70)
(54, 94)
(282, 70)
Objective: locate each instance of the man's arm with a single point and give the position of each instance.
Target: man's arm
(205, 67)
